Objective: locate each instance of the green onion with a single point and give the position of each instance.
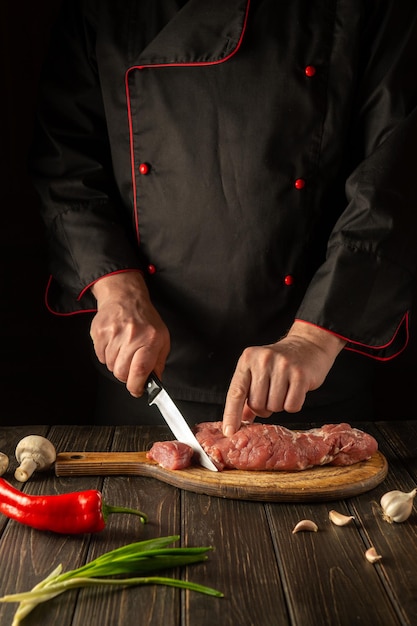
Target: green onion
(131, 560)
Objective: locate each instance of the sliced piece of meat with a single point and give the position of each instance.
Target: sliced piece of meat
(271, 447)
(172, 455)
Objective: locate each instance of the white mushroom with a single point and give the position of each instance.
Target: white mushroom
(33, 453)
(4, 463)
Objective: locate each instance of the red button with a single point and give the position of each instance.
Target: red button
(300, 183)
(144, 168)
(151, 269)
(288, 280)
(310, 70)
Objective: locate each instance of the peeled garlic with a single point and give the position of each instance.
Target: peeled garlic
(372, 555)
(305, 524)
(339, 519)
(397, 505)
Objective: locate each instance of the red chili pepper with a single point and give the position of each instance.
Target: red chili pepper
(69, 513)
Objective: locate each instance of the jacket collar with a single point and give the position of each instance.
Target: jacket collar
(202, 32)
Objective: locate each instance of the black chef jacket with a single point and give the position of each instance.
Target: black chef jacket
(257, 160)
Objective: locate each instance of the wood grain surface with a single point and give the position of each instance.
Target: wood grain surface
(317, 484)
(269, 576)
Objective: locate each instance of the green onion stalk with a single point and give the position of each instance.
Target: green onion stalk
(134, 561)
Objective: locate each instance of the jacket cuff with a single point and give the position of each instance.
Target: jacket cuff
(393, 348)
(362, 298)
(59, 301)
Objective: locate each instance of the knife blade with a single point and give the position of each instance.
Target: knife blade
(158, 395)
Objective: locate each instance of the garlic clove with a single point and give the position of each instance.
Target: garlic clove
(305, 525)
(397, 505)
(339, 519)
(372, 555)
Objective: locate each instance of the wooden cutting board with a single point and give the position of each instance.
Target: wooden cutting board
(316, 484)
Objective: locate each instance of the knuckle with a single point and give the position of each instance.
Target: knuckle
(237, 391)
(294, 402)
(98, 332)
(247, 356)
(120, 374)
(138, 371)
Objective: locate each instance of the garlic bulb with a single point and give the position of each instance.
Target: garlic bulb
(397, 505)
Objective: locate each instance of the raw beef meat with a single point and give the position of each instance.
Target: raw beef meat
(171, 454)
(270, 447)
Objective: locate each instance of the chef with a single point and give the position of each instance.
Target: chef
(229, 190)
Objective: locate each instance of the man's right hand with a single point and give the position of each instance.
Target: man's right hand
(129, 336)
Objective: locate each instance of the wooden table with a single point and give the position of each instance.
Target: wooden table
(270, 577)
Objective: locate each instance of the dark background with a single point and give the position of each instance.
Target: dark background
(46, 373)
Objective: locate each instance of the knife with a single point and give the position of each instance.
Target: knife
(157, 394)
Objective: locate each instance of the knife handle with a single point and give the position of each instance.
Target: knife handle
(153, 387)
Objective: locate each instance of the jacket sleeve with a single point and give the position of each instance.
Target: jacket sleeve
(71, 167)
(364, 289)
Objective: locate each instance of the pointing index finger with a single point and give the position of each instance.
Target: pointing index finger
(235, 402)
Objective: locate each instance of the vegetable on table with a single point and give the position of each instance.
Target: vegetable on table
(372, 555)
(305, 524)
(69, 513)
(397, 505)
(34, 453)
(137, 558)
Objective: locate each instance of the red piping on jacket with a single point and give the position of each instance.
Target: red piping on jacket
(79, 297)
(132, 157)
(405, 320)
(159, 65)
(58, 313)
